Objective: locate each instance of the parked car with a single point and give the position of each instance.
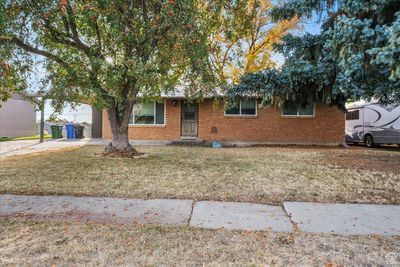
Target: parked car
(373, 124)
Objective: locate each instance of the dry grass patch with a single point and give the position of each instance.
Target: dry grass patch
(258, 174)
(376, 159)
(66, 244)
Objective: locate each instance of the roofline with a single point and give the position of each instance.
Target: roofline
(359, 104)
(203, 97)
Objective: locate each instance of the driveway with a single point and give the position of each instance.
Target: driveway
(12, 148)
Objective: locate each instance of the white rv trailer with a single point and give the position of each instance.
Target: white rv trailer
(373, 124)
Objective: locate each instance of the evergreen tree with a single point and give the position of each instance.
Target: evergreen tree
(356, 55)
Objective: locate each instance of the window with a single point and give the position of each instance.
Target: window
(243, 107)
(291, 109)
(353, 115)
(148, 113)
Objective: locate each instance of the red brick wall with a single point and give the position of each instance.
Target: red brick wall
(170, 131)
(327, 126)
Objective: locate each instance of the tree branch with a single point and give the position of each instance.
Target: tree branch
(66, 25)
(74, 30)
(75, 35)
(34, 50)
(98, 36)
(144, 10)
(59, 37)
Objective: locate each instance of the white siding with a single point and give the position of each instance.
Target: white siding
(17, 118)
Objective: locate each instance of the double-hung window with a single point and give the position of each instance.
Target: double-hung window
(291, 109)
(243, 107)
(148, 113)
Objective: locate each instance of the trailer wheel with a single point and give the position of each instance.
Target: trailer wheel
(368, 140)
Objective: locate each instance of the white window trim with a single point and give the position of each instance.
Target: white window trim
(154, 121)
(240, 111)
(300, 116)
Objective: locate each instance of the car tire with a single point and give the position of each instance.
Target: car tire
(369, 141)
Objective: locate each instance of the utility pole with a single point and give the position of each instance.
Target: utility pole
(42, 102)
(39, 98)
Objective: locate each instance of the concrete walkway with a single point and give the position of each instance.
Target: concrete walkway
(344, 219)
(13, 148)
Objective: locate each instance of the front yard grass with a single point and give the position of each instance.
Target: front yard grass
(257, 174)
(65, 244)
(33, 137)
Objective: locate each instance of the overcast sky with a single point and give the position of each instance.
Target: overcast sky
(83, 113)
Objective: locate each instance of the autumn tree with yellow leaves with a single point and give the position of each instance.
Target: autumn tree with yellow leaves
(242, 38)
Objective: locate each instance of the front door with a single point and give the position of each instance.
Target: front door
(189, 119)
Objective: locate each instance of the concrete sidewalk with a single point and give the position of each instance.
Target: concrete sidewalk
(23, 147)
(344, 219)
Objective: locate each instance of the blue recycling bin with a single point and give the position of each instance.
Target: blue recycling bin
(70, 131)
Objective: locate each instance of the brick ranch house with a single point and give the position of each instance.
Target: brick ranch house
(247, 123)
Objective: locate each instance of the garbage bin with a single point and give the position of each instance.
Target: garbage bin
(56, 131)
(70, 131)
(78, 129)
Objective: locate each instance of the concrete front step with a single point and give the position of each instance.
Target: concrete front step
(191, 141)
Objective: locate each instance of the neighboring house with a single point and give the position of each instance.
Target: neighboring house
(17, 117)
(177, 119)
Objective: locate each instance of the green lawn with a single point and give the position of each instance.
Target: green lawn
(257, 174)
(33, 137)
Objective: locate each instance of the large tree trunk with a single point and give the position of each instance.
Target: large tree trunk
(119, 122)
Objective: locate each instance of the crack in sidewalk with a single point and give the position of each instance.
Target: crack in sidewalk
(295, 225)
(191, 212)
